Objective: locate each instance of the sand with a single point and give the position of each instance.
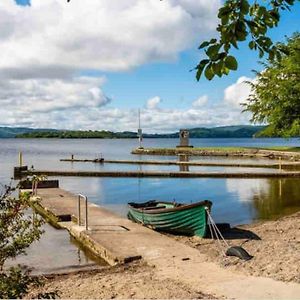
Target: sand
(275, 246)
(133, 281)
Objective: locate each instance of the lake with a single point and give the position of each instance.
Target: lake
(236, 201)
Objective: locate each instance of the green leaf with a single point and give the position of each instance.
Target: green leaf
(225, 20)
(241, 35)
(252, 9)
(290, 2)
(231, 63)
(222, 55)
(200, 68)
(225, 71)
(215, 68)
(271, 55)
(245, 7)
(203, 45)
(270, 22)
(278, 56)
(251, 24)
(233, 42)
(224, 11)
(275, 15)
(209, 73)
(251, 45)
(218, 68)
(262, 29)
(227, 47)
(199, 73)
(261, 11)
(213, 50)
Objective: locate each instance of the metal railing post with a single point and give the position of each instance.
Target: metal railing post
(86, 211)
(79, 211)
(86, 214)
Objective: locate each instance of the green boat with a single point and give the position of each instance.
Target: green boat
(172, 217)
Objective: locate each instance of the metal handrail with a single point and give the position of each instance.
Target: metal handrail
(86, 210)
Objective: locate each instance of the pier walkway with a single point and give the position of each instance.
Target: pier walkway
(164, 174)
(281, 165)
(119, 240)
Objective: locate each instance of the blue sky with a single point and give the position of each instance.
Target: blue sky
(141, 59)
(23, 2)
(163, 78)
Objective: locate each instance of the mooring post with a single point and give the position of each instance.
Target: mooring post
(86, 211)
(20, 159)
(280, 167)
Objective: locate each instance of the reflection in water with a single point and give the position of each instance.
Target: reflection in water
(247, 188)
(281, 198)
(55, 252)
(234, 200)
(183, 158)
(237, 201)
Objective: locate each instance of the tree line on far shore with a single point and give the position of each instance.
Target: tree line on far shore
(242, 131)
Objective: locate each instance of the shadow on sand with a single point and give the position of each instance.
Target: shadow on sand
(234, 233)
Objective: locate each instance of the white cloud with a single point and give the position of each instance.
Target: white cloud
(30, 101)
(55, 37)
(237, 93)
(153, 103)
(248, 189)
(80, 103)
(46, 45)
(200, 102)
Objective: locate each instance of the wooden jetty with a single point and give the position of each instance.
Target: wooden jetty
(119, 240)
(164, 174)
(222, 152)
(284, 165)
(170, 163)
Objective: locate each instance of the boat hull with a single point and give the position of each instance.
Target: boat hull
(184, 220)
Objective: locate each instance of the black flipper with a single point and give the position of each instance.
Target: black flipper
(238, 252)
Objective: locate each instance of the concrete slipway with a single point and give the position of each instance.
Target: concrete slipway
(119, 240)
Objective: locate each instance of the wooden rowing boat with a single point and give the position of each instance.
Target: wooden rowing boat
(184, 219)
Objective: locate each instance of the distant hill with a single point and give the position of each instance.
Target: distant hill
(241, 131)
(78, 134)
(12, 132)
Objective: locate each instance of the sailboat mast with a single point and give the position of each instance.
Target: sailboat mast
(139, 119)
(140, 135)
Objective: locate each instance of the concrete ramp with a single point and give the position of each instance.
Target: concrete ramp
(119, 240)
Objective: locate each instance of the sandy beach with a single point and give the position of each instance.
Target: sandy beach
(133, 281)
(275, 246)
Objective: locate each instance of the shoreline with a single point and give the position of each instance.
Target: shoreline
(221, 151)
(274, 244)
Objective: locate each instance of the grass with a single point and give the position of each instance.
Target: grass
(231, 149)
(221, 148)
(282, 148)
(199, 148)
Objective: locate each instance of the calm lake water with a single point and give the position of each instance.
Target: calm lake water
(237, 201)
